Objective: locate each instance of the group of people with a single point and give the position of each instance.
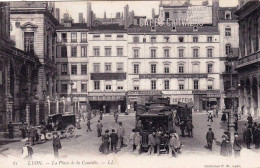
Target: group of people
(186, 126)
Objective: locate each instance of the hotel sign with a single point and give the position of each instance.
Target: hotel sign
(174, 99)
(105, 98)
(149, 76)
(73, 95)
(180, 92)
(205, 92)
(108, 76)
(148, 92)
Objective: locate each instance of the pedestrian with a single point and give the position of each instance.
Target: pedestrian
(27, 151)
(250, 120)
(210, 119)
(31, 135)
(132, 136)
(257, 137)
(174, 145)
(114, 140)
(224, 117)
(236, 126)
(182, 127)
(158, 141)
(99, 128)
(236, 146)
(225, 148)
(88, 125)
(254, 128)
(105, 141)
(23, 129)
(248, 136)
(116, 116)
(121, 134)
(10, 130)
(101, 115)
(243, 131)
(210, 137)
(138, 142)
(190, 127)
(56, 144)
(151, 143)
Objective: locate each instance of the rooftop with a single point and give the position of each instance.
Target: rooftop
(108, 28)
(73, 26)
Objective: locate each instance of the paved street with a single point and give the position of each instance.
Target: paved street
(87, 143)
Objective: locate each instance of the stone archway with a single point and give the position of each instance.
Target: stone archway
(254, 95)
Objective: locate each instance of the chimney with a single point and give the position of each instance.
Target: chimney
(89, 14)
(215, 8)
(153, 13)
(105, 15)
(126, 15)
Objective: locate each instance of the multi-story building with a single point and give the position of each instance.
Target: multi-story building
(181, 63)
(72, 61)
(33, 31)
(107, 53)
(248, 62)
(228, 45)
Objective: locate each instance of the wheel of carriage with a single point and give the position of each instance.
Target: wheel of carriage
(70, 132)
(49, 135)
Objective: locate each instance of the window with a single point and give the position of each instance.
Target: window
(181, 68)
(83, 51)
(73, 51)
(209, 52)
(195, 52)
(120, 87)
(107, 67)
(96, 67)
(29, 42)
(83, 37)
(136, 84)
(195, 68)
(73, 37)
(181, 52)
(136, 87)
(83, 69)
(96, 51)
(228, 49)
(96, 37)
(153, 84)
(96, 85)
(136, 39)
(108, 36)
(120, 36)
(83, 87)
(64, 51)
(108, 87)
(153, 39)
(195, 39)
(181, 86)
(209, 39)
(119, 51)
(64, 37)
(166, 84)
(196, 84)
(210, 68)
(144, 40)
(228, 31)
(166, 53)
(120, 67)
(136, 53)
(64, 87)
(166, 68)
(210, 84)
(181, 39)
(166, 39)
(64, 69)
(136, 68)
(107, 51)
(153, 68)
(73, 69)
(74, 87)
(153, 53)
(227, 15)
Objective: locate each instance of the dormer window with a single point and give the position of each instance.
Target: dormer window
(173, 28)
(181, 39)
(228, 15)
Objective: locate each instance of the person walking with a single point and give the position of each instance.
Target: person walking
(23, 129)
(257, 137)
(250, 120)
(27, 151)
(225, 148)
(10, 130)
(114, 140)
(210, 119)
(101, 115)
(151, 143)
(254, 128)
(224, 117)
(158, 141)
(116, 116)
(132, 137)
(182, 128)
(121, 134)
(56, 144)
(88, 125)
(99, 128)
(248, 136)
(236, 146)
(31, 135)
(105, 140)
(210, 137)
(138, 142)
(174, 145)
(190, 127)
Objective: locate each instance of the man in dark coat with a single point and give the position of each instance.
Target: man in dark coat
(248, 135)
(99, 128)
(250, 119)
(105, 142)
(114, 140)
(32, 135)
(151, 143)
(254, 128)
(182, 127)
(257, 141)
(189, 127)
(23, 130)
(88, 125)
(121, 134)
(236, 146)
(116, 116)
(210, 137)
(11, 130)
(56, 144)
(158, 141)
(225, 148)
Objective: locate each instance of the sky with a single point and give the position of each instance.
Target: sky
(141, 8)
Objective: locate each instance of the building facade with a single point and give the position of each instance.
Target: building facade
(107, 53)
(248, 62)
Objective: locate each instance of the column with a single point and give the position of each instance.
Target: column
(63, 102)
(258, 100)
(241, 100)
(37, 112)
(246, 102)
(27, 109)
(57, 105)
(252, 110)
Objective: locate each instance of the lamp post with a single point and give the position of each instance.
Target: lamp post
(71, 96)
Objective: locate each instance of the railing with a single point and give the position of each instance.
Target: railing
(255, 57)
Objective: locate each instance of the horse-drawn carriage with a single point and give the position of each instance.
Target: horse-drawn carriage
(64, 124)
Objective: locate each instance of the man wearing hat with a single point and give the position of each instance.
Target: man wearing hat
(225, 148)
(236, 146)
(210, 137)
(99, 128)
(56, 144)
(114, 140)
(11, 130)
(121, 134)
(105, 140)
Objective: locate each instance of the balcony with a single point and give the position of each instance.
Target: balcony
(249, 60)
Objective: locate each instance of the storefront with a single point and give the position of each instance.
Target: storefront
(140, 97)
(108, 102)
(179, 96)
(206, 99)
